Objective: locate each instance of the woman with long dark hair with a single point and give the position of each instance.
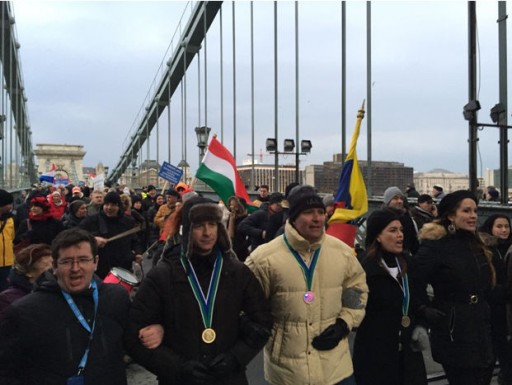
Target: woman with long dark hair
(453, 259)
(388, 344)
(496, 234)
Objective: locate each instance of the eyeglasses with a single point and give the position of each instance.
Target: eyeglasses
(70, 262)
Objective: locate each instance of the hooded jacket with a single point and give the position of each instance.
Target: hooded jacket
(43, 343)
(289, 357)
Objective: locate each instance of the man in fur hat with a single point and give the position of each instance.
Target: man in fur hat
(197, 294)
(318, 292)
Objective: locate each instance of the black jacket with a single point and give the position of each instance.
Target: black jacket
(43, 343)
(382, 353)
(165, 297)
(120, 252)
(34, 231)
(457, 269)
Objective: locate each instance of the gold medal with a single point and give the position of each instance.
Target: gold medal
(208, 335)
(406, 321)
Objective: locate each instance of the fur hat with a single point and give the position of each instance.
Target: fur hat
(6, 198)
(199, 209)
(114, 198)
(303, 197)
(450, 201)
(390, 193)
(27, 257)
(377, 221)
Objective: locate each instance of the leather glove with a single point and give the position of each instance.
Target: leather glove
(196, 372)
(224, 363)
(253, 334)
(331, 336)
(419, 339)
(431, 314)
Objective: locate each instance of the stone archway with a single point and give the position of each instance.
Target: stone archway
(67, 159)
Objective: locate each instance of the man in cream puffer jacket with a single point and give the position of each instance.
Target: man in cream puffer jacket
(318, 293)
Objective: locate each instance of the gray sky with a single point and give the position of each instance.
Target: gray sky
(88, 67)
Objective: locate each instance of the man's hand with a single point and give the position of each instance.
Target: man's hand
(151, 336)
(101, 241)
(195, 372)
(223, 364)
(138, 258)
(331, 336)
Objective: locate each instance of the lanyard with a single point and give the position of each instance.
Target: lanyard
(206, 304)
(83, 322)
(405, 290)
(307, 270)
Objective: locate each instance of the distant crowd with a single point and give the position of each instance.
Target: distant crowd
(228, 279)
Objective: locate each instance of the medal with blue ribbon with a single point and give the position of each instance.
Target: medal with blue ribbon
(206, 304)
(309, 296)
(406, 320)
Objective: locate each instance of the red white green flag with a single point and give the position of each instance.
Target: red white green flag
(218, 170)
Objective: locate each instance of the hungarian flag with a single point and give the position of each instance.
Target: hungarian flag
(218, 170)
(351, 198)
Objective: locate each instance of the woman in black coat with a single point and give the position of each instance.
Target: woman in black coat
(388, 344)
(453, 259)
(496, 234)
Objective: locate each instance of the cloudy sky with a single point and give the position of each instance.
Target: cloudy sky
(90, 66)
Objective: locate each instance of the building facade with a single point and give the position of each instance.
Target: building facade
(264, 174)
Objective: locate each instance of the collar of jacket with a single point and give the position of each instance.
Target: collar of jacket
(298, 242)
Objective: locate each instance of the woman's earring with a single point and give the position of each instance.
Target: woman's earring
(451, 228)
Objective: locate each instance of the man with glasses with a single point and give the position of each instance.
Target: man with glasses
(69, 330)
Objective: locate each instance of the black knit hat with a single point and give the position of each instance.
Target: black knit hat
(450, 201)
(6, 198)
(276, 197)
(75, 205)
(377, 221)
(303, 197)
(114, 198)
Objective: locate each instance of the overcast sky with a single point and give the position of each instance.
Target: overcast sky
(89, 66)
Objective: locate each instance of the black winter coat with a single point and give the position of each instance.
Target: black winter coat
(458, 271)
(120, 252)
(34, 231)
(253, 227)
(165, 297)
(43, 343)
(382, 353)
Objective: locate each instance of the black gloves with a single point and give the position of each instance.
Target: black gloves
(430, 314)
(331, 336)
(196, 372)
(224, 364)
(253, 334)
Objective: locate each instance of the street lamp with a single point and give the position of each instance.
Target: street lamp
(289, 147)
(202, 134)
(498, 116)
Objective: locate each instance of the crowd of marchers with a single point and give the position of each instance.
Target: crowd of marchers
(227, 282)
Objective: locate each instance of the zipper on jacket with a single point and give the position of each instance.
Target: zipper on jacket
(452, 323)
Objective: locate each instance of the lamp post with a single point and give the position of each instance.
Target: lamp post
(498, 116)
(289, 147)
(202, 134)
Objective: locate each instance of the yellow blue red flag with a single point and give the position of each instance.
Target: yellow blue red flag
(351, 198)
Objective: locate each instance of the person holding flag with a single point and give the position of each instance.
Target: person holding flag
(351, 198)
